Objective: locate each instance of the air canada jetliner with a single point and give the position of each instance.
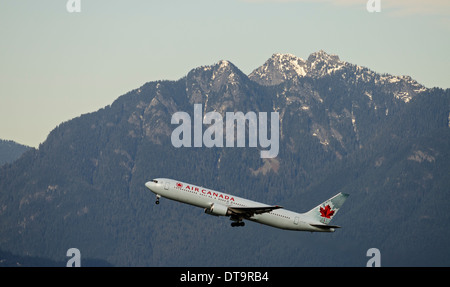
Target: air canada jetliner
(222, 204)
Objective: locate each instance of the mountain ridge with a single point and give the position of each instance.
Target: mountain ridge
(320, 64)
(10, 151)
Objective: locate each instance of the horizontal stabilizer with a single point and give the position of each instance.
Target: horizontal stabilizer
(323, 226)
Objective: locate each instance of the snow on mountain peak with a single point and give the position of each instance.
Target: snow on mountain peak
(321, 64)
(281, 67)
(323, 56)
(223, 64)
(284, 67)
(289, 62)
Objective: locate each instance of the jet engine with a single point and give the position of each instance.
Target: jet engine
(217, 209)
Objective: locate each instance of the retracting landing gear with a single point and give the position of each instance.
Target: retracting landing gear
(157, 198)
(237, 223)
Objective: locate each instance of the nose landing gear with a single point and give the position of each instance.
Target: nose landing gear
(157, 198)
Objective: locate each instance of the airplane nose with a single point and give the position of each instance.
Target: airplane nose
(152, 184)
(149, 184)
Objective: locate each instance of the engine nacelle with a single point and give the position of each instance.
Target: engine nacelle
(217, 209)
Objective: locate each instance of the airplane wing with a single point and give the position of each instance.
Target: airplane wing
(250, 211)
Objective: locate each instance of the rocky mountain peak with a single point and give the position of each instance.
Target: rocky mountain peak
(320, 64)
(282, 67)
(322, 56)
(279, 68)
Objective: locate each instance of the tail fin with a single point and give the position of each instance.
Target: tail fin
(324, 212)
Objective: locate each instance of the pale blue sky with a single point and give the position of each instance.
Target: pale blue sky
(56, 65)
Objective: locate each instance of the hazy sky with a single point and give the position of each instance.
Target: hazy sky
(56, 65)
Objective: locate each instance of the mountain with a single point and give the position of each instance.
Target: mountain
(381, 138)
(10, 151)
(285, 67)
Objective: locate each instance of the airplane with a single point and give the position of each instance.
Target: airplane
(237, 208)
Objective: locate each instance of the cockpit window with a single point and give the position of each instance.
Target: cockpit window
(154, 180)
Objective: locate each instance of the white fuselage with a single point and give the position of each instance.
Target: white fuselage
(205, 198)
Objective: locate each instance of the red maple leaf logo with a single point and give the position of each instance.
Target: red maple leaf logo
(326, 212)
(179, 184)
